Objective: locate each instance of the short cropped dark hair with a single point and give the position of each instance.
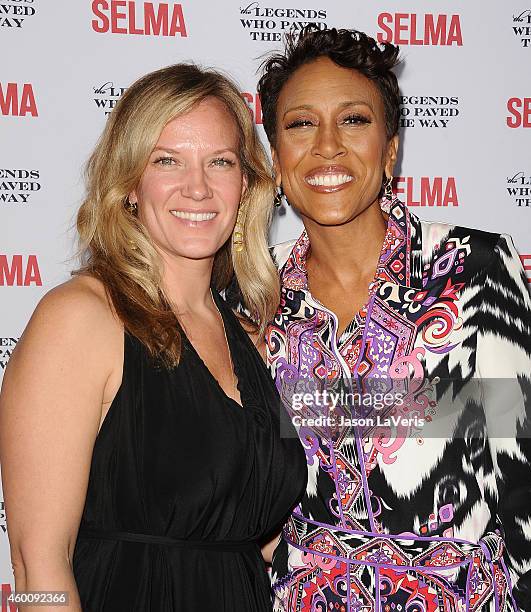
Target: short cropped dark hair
(348, 49)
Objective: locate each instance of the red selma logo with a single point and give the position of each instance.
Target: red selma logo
(255, 106)
(19, 271)
(4, 594)
(426, 190)
(17, 100)
(520, 112)
(526, 263)
(413, 29)
(145, 19)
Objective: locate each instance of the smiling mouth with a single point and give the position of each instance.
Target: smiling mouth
(328, 180)
(193, 216)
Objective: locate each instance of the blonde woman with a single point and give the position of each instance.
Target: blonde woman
(141, 458)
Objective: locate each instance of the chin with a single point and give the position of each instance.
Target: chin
(198, 252)
(332, 218)
(193, 249)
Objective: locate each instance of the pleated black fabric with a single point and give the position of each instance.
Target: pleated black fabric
(178, 460)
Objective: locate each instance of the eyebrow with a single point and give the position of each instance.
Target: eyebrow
(165, 149)
(217, 152)
(341, 106)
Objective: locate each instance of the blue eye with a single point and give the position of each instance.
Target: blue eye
(223, 162)
(165, 161)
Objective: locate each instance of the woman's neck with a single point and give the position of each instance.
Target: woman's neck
(350, 251)
(186, 283)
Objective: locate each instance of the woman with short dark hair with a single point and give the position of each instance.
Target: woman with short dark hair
(422, 504)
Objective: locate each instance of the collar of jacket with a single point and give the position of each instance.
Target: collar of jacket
(400, 260)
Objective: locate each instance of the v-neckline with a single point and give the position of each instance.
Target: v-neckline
(361, 312)
(231, 353)
(396, 242)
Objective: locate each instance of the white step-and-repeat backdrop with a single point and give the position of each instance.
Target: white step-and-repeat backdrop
(466, 113)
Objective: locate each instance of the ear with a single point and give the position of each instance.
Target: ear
(133, 197)
(276, 168)
(391, 155)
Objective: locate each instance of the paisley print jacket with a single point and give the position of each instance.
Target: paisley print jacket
(430, 510)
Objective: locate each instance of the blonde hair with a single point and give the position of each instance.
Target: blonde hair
(114, 245)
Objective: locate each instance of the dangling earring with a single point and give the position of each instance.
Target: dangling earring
(237, 235)
(131, 207)
(278, 196)
(388, 189)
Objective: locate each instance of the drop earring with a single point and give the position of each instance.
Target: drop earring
(388, 189)
(238, 235)
(279, 195)
(131, 207)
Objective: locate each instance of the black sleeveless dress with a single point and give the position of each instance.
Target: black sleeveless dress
(184, 484)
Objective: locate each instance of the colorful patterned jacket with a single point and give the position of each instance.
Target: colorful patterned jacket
(431, 510)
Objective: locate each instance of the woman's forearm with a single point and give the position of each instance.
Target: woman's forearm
(46, 575)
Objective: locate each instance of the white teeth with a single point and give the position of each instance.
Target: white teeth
(192, 216)
(328, 180)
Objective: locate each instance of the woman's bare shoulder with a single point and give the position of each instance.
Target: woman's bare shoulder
(81, 289)
(73, 317)
(80, 301)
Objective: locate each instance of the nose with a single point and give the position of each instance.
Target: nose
(196, 185)
(328, 142)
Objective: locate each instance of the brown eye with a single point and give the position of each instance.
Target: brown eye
(356, 120)
(299, 123)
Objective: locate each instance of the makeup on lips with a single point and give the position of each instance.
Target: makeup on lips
(328, 179)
